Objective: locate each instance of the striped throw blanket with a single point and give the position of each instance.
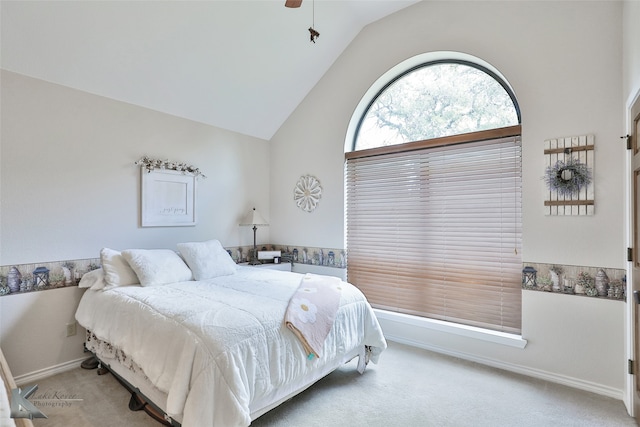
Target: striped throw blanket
(312, 311)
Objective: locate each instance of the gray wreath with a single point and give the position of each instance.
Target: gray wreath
(568, 177)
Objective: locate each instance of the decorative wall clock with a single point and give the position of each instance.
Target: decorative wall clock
(307, 193)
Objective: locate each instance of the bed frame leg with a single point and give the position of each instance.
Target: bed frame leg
(136, 404)
(101, 369)
(90, 363)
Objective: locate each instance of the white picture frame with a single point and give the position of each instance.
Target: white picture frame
(168, 198)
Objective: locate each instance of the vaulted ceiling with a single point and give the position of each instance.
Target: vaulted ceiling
(238, 65)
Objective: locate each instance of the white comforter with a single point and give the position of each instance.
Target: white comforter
(217, 347)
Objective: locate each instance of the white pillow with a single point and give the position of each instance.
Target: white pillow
(207, 259)
(93, 279)
(157, 266)
(117, 271)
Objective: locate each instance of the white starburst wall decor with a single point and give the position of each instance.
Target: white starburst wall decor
(307, 193)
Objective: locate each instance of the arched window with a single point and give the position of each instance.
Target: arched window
(433, 194)
(434, 100)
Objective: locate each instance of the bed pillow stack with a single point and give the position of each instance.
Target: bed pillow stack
(157, 266)
(154, 267)
(207, 260)
(117, 271)
(93, 279)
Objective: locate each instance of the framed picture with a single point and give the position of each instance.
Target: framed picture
(168, 198)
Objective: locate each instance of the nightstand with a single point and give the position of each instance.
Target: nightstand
(285, 266)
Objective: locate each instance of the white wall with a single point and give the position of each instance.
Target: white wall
(564, 61)
(33, 330)
(69, 187)
(565, 342)
(631, 50)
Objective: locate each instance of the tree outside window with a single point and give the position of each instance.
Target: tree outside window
(433, 101)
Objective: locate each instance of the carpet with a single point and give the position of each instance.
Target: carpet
(409, 387)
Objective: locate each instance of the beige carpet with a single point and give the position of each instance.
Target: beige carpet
(409, 387)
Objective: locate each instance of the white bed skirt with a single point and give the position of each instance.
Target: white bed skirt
(122, 366)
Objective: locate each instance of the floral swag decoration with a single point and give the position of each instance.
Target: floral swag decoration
(568, 177)
(151, 164)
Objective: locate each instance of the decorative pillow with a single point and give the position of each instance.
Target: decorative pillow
(93, 279)
(207, 259)
(157, 266)
(117, 271)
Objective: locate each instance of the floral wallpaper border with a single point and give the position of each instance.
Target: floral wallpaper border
(327, 257)
(591, 282)
(42, 276)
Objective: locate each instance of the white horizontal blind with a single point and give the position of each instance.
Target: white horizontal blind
(436, 232)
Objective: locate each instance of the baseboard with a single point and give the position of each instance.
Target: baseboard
(518, 369)
(48, 372)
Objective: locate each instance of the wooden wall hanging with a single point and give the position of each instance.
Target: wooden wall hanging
(569, 175)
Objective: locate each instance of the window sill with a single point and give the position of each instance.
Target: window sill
(510, 340)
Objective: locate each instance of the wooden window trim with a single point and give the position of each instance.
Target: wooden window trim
(438, 142)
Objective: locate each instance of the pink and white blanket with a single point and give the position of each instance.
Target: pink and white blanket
(312, 311)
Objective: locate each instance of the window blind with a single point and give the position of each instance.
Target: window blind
(436, 232)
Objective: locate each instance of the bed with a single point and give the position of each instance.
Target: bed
(212, 349)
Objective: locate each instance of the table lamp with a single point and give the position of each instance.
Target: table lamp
(253, 218)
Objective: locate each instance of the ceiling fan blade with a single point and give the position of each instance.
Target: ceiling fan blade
(292, 3)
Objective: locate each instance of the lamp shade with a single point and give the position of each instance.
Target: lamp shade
(253, 218)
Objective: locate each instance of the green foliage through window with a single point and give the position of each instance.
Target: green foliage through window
(436, 100)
